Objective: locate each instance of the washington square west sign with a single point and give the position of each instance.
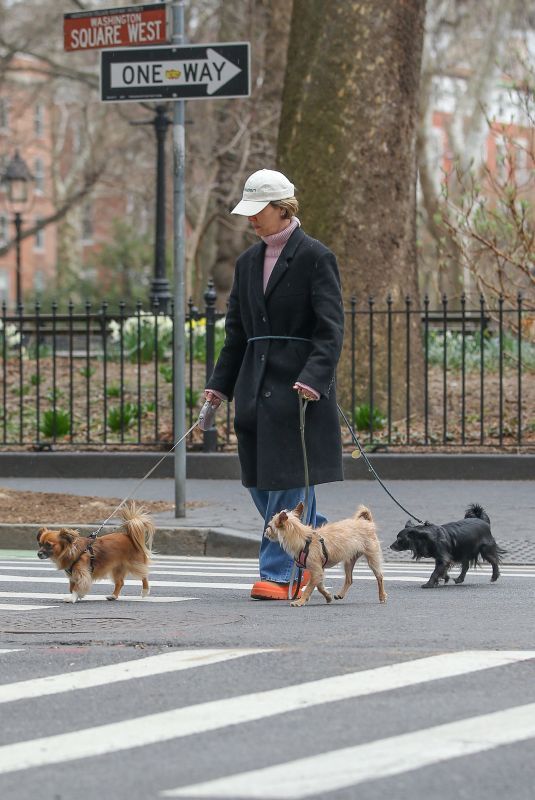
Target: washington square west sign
(176, 72)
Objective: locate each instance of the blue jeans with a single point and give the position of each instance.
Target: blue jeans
(275, 564)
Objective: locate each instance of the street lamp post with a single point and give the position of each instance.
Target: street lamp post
(18, 231)
(18, 177)
(160, 284)
(160, 294)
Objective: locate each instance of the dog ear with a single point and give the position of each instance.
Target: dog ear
(283, 516)
(67, 536)
(409, 523)
(39, 534)
(298, 510)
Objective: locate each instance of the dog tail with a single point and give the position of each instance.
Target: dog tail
(364, 513)
(139, 527)
(475, 510)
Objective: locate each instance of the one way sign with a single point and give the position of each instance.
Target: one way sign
(175, 73)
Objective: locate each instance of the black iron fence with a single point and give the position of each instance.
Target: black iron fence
(410, 375)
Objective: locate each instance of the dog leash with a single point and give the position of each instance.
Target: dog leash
(206, 417)
(303, 402)
(371, 468)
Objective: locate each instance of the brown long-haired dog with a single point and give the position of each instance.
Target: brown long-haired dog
(344, 541)
(115, 555)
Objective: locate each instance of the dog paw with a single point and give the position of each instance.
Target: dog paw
(72, 598)
(296, 603)
(458, 580)
(329, 598)
(383, 599)
(338, 597)
(110, 597)
(429, 585)
(145, 592)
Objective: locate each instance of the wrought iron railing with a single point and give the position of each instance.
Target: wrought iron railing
(410, 375)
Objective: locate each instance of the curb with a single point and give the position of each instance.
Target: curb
(167, 540)
(215, 542)
(225, 466)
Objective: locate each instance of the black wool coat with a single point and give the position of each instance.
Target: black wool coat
(303, 299)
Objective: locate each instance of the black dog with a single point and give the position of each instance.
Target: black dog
(464, 542)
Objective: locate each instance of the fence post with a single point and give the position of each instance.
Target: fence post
(210, 297)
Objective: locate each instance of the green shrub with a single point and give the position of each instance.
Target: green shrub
(139, 335)
(122, 419)
(55, 394)
(35, 379)
(362, 417)
(472, 350)
(167, 371)
(87, 372)
(113, 391)
(55, 424)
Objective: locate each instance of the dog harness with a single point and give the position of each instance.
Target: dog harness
(301, 559)
(88, 549)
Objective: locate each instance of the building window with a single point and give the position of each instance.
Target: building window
(503, 160)
(4, 222)
(4, 114)
(522, 162)
(39, 243)
(39, 175)
(39, 119)
(38, 281)
(87, 222)
(3, 164)
(4, 286)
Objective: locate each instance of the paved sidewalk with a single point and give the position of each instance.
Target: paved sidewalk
(224, 506)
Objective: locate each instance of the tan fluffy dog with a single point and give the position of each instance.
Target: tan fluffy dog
(343, 541)
(114, 555)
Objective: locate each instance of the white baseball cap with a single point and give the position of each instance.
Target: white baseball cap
(260, 189)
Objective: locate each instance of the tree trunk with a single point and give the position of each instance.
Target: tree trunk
(347, 140)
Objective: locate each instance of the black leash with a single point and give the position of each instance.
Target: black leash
(303, 402)
(370, 466)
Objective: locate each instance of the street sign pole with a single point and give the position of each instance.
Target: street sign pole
(179, 263)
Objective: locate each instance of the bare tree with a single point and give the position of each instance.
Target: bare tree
(464, 48)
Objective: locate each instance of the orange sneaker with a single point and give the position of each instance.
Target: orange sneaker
(269, 590)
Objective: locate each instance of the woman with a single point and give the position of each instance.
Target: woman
(284, 332)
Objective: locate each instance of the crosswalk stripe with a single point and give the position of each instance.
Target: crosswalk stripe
(122, 671)
(178, 584)
(359, 575)
(89, 598)
(195, 584)
(339, 769)
(12, 650)
(250, 571)
(213, 715)
(20, 607)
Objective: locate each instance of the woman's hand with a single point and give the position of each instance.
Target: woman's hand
(212, 398)
(305, 392)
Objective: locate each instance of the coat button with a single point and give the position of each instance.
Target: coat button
(263, 318)
(262, 357)
(267, 394)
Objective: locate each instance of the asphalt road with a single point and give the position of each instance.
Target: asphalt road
(201, 692)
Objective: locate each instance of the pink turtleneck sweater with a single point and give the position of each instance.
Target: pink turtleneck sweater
(275, 243)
